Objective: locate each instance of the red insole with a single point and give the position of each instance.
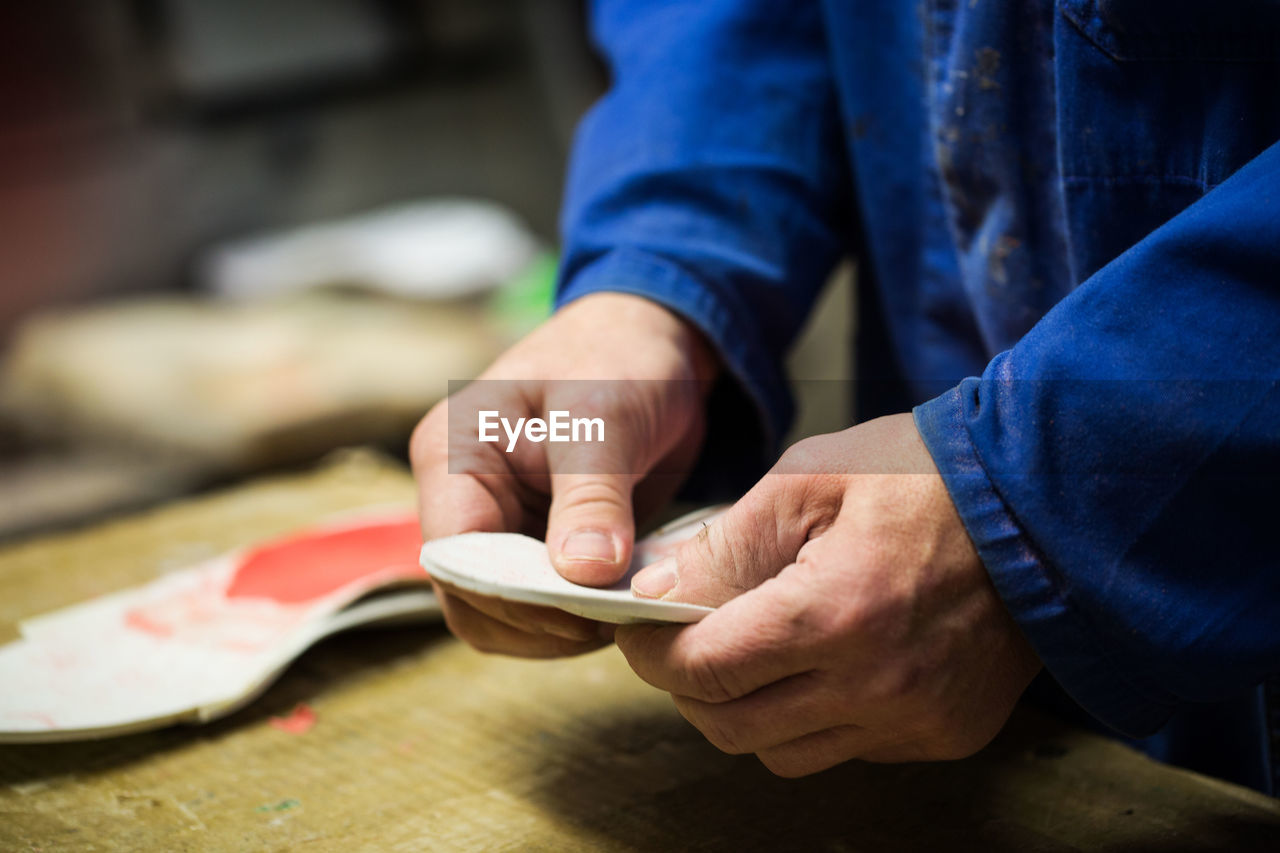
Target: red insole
(311, 565)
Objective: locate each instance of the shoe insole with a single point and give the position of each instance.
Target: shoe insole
(198, 643)
(517, 568)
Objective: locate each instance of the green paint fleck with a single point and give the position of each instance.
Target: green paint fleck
(282, 806)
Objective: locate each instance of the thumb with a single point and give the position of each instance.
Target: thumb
(591, 524)
(591, 529)
(738, 551)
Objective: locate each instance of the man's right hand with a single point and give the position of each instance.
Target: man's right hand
(583, 498)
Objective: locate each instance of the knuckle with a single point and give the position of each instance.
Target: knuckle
(903, 684)
(596, 493)
(796, 457)
(814, 515)
(723, 735)
(473, 627)
(887, 614)
(812, 455)
(427, 437)
(624, 402)
(515, 616)
(478, 640)
(495, 643)
(706, 675)
(605, 396)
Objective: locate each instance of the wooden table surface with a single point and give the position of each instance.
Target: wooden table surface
(420, 743)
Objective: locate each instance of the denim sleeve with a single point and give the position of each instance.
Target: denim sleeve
(1118, 468)
(710, 177)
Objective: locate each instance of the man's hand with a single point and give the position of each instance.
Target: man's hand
(583, 498)
(857, 619)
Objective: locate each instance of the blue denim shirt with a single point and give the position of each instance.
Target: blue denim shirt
(1067, 221)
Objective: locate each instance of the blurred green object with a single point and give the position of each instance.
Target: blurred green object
(526, 300)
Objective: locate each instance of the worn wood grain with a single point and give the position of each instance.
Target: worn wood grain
(422, 744)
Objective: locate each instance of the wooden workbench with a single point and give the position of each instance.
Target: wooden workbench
(420, 743)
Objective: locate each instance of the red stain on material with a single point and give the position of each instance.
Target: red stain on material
(140, 620)
(40, 717)
(311, 565)
(299, 721)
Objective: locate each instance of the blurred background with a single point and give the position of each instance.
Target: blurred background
(239, 234)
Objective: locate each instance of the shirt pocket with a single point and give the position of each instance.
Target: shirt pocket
(1158, 101)
(1180, 90)
(1155, 30)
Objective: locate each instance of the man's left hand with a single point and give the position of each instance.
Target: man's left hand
(856, 621)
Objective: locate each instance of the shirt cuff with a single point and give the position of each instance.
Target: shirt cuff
(1036, 593)
(718, 313)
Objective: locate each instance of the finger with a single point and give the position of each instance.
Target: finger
(820, 750)
(451, 503)
(763, 636)
(660, 485)
(591, 527)
(491, 636)
(769, 717)
(750, 543)
(527, 618)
